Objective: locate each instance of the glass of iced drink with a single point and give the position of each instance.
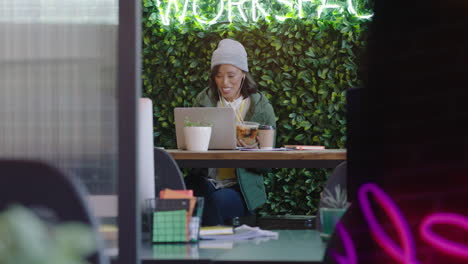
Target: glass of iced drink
(247, 132)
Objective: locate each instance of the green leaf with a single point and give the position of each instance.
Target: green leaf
(193, 64)
(299, 137)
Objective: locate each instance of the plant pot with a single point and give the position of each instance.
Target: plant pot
(197, 138)
(329, 217)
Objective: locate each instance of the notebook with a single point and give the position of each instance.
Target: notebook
(223, 133)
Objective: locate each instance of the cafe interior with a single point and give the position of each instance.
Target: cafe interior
(369, 164)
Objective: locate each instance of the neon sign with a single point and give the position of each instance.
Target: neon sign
(350, 250)
(405, 254)
(440, 243)
(245, 10)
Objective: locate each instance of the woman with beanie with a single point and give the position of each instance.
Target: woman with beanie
(231, 192)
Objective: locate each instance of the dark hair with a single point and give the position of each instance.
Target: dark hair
(249, 86)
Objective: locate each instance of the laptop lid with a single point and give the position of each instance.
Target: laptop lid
(223, 133)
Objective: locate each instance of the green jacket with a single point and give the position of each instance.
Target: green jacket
(250, 180)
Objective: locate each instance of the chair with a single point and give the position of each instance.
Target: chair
(37, 185)
(337, 177)
(166, 171)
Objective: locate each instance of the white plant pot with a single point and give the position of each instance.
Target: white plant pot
(197, 138)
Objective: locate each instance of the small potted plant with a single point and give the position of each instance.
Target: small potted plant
(28, 239)
(197, 134)
(333, 205)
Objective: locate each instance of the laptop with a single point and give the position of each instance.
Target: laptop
(223, 133)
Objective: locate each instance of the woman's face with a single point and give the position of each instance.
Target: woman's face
(228, 80)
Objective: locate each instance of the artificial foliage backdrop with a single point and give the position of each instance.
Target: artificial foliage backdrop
(301, 62)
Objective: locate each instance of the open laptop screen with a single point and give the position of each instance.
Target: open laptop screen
(223, 134)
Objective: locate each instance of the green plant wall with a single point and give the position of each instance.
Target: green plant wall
(303, 65)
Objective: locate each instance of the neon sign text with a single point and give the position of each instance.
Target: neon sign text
(405, 254)
(240, 8)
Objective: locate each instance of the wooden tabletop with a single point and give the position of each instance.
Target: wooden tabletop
(327, 158)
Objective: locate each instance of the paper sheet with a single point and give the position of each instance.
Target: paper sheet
(244, 232)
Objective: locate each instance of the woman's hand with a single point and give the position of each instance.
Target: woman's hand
(241, 143)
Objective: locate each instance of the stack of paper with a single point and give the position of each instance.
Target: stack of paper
(243, 232)
(304, 147)
(216, 230)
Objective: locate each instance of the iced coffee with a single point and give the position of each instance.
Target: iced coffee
(247, 132)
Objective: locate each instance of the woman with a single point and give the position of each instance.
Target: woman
(231, 192)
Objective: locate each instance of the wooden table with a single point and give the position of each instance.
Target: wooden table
(327, 158)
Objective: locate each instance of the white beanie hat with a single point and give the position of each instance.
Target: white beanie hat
(230, 52)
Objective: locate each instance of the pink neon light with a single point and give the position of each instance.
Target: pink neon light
(407, 253)
(441, 243)
(350, 249)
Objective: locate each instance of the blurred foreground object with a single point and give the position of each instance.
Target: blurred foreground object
(25, 238)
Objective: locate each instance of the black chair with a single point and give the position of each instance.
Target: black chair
(166, 171)
(337, 177)
(39, 186)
